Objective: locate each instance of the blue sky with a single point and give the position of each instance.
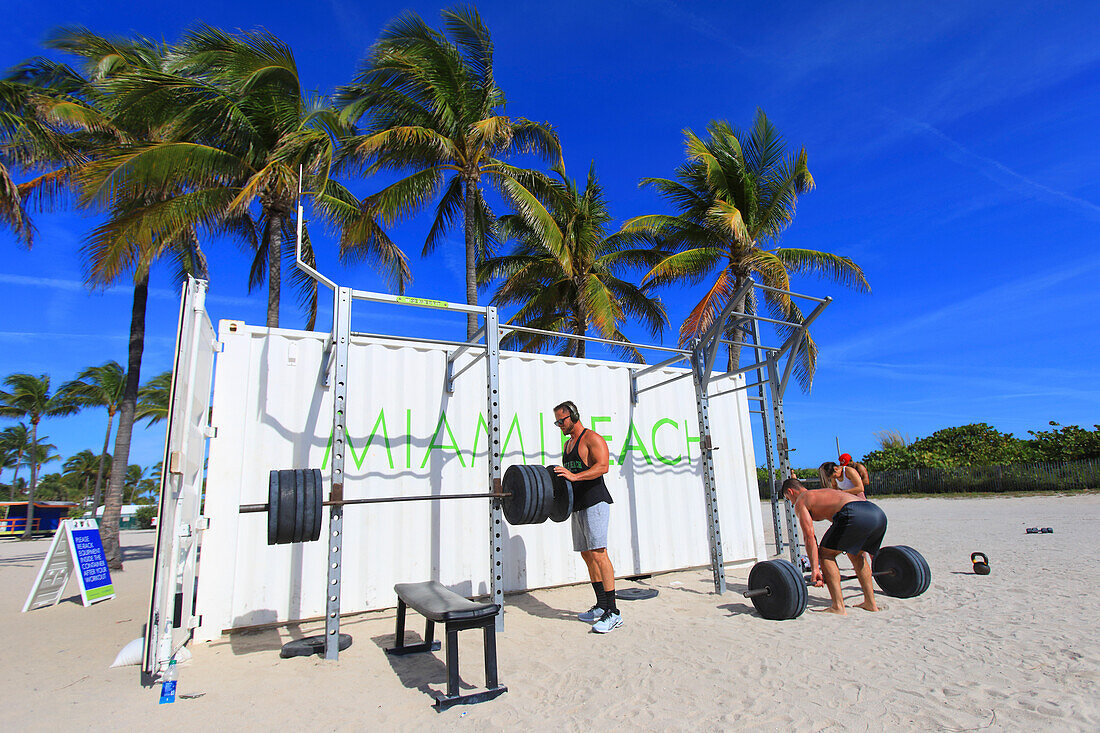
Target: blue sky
(953, 146)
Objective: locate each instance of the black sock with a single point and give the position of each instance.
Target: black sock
(609, 601)
(598, 588)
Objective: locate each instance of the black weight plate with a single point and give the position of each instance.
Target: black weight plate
(534, 494)
(636, 594)
(318, 497)
(783, 600)
(515, 503)
(287, 506)
(273, 507)
(545, 503)
(310, 645)
(528, 490)
(905, 575)
(922, 564)
(563, 497)
(798, 582)
(299, 504)
(309, 511)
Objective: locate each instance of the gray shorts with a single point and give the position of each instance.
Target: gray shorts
(590, 527)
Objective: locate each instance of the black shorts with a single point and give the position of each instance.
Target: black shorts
(859, 526)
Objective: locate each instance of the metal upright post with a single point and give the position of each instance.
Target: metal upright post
(773, 492)
(700, 375)
(341, 335)
(496, 516)
(794, 537)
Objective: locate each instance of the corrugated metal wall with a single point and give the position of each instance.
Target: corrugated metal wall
(409, 437)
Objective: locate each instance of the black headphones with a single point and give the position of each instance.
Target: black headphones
(573, 414)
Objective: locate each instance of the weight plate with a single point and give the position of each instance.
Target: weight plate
(318, 497)
(272, 507)
(801, 596)
(534, 486)
(287, 507)
(310, 645)
(787, 597)
(563, 497)
(529, 489)
(299, 504)
(308, 508)
(908, 574)
(925, 570)
(636, 594)
(514, 504)
(545, 501)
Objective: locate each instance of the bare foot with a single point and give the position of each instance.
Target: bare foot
(870, 606)
(838, 611)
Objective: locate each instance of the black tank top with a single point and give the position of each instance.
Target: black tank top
(585, 493)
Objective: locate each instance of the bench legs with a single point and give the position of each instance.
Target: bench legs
(488, 626)
(429, 644)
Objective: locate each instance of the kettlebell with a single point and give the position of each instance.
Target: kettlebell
(981, 563)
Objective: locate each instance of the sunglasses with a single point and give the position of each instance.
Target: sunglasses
(561, 422)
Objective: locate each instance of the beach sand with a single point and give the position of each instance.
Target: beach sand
(1015, 650)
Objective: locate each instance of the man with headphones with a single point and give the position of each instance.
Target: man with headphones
(585, 462)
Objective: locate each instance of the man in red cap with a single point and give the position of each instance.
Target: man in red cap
(865, 477)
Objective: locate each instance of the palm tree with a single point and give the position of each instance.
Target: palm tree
(237, 131)
(16, 439)
(84, 469)
(432, 106)
(30, 137)
(135, 474)
(29, 397)
(8, 460)
(736, 194)
(153, 399)
(140, 227)
(100, 386)
(37, 457)
(565, 271)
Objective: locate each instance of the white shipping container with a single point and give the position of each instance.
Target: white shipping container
(408, 436)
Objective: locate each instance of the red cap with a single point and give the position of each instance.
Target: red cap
(845, 459)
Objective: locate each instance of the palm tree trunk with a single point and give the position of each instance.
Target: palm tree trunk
(112, 505)
(34, 481)
(470, 212)
(102, 461)
(737, 335)
(579, 330)
(274, 244)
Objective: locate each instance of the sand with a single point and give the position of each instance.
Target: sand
(1015, 650)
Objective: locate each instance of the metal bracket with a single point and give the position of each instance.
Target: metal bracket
(210, 431)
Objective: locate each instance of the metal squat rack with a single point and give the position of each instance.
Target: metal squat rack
(701, 357)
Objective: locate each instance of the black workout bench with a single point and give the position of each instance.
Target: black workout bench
(438, 604)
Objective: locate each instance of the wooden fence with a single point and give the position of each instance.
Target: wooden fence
(1047, 476)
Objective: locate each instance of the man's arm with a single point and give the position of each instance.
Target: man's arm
(807, 524)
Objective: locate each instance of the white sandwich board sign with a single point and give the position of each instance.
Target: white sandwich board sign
(76, 546)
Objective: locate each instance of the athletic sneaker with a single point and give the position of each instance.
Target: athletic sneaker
(607, 622)
(591, 615)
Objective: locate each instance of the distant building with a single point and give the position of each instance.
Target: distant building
(128, 519)
(47, 517)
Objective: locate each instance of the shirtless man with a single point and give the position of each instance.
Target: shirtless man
(858, 527)
(586, 461)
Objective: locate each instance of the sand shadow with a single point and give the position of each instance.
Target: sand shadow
(534, 607)
(421, 670)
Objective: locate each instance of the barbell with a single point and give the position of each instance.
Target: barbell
(778, 589)
(530, 494)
